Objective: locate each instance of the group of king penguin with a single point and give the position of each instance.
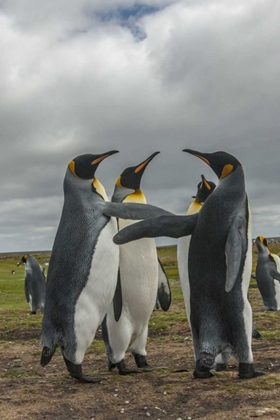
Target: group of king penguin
(104, 268)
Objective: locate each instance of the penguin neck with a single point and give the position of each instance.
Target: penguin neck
(194, 207)
(80, 190)
(100, 189)
(234, 181)
(263, 250)
(120, 193)
(136, 197)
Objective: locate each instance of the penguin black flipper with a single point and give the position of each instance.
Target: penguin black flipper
(132, 211)
(236, 242)
(170, 226)
(117, 300)
(275, 274)
(164, 291)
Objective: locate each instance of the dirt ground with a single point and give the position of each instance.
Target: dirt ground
(28, 391)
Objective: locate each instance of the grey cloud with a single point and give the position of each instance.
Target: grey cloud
(205, 77)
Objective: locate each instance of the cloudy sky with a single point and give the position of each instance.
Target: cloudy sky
(90, 76)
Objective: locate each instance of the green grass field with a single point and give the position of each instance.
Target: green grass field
(34, 392)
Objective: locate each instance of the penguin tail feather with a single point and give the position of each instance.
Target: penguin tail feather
(47, 354)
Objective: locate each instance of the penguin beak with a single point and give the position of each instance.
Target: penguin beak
(200, 155)
(143, 165)
(103, 156)
(205, 182)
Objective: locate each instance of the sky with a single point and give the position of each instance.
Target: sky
(91, 76)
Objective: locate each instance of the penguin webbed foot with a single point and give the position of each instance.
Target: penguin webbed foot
(220, 367)
(141, 362)
(201, 371)
(256, 334)
(111, 366)
(247, 371)
(123, 370)
(76, 372)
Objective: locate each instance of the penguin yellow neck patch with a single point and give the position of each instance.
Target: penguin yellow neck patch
(136, 197)
(194, 207)
(227, 169)
(118, 182)
(100, 189)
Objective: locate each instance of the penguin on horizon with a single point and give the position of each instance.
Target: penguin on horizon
(219, 268)
(83, 268)
(268, 275)
(34, 283)
(141, 279)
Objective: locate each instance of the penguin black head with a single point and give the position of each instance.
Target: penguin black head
(263, 240)
(222, 163)
(84, 166)
(23, 259)
(204, 189)
(131, 177)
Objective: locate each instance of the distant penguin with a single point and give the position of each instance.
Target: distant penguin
(34, 283)
(141, 277)
(219, 268)
(83, 268)
(268, 275)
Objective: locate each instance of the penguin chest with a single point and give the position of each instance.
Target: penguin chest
(139, 276)
(99, 290)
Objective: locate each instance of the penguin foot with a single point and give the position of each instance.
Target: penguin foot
(220, 367)
(201, 371)
(247, 371)
(33, 313)
(111, 366)
(123, 370)
(256, 334)
(76, 372)
(141, 361)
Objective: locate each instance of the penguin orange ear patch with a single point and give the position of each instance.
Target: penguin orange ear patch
(227, 169)
(71, 167)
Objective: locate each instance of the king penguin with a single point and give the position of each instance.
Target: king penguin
(204, 189)
(34, 283)
(141, 277)
(268, 275)
(83, 268)
(219, 266)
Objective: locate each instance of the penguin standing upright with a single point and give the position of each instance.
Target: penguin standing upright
(139, 272)
(268, 275)
(83, 269)
(219, 266)
(34, 283)
(204, 189)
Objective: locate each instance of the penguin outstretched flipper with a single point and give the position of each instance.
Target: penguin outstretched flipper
(117, 300)
(170, 226)
(233, 250)
(132, 211)
(164, 291)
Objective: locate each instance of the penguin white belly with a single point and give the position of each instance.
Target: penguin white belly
(98, 293)
(247, 311)
(30, 301)
(183, 257)
(276, 282)
(139, 272)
